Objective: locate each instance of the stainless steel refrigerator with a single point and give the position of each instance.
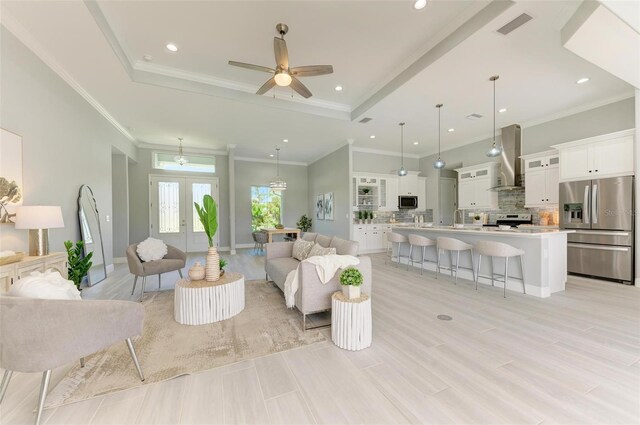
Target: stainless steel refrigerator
(601, 212)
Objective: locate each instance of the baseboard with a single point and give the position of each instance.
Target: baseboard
(110, 268)
(119, 260)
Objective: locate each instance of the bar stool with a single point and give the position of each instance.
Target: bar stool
(451, 245)
(501, 250)
(399, 239)
(420, 242)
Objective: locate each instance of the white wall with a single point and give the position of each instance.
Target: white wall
(120, 203)
(380, 163)
(65, 143)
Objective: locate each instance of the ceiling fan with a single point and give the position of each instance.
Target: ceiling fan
(282, 74)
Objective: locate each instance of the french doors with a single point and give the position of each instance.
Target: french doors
(173, 217)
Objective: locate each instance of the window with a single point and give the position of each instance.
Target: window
(266, 207)
(197, 163)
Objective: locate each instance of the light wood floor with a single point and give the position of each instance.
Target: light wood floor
(572, 358)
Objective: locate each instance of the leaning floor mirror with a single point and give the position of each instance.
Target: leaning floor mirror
(91, 234)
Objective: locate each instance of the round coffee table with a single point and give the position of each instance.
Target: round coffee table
(200, 302)
(351, 321)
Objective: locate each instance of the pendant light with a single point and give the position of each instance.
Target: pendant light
(495, 149)
(180, 158)
(402, 172)
(277, 183)
(439, 164)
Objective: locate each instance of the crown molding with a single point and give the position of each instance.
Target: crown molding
(388, 153)
(270, 161)
(12, 24)
(192, 150)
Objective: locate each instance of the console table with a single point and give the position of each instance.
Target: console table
(273, 231)
(351, 321)
(9, 273)
(199, 302)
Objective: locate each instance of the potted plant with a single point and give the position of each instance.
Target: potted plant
(78, 265)
(351, 279)
(365, 191)
(223, 264)
(370, 216)
(360, 215)
(477, 219)
(208, 214)
(304, 224)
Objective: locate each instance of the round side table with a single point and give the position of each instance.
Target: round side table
(351, 321)
(200, 302)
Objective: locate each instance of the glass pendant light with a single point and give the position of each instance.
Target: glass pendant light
(180, 158)
(277, 183)
(495, 149)
(402, 172)
(439, 164)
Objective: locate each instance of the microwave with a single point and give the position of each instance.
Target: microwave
(407, 202)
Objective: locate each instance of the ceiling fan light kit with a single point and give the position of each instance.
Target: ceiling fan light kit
(439, 164)
(495, 149)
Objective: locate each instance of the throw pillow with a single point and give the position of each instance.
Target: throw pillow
(323, 240)
(301, 249)
(319, 250)
(48, 285)
(308, 236)
(151, 249)
(344, 247)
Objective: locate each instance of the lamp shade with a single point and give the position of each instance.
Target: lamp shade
(39, 217)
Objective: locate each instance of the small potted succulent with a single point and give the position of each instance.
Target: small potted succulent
(365, 191)
(351, 279)
(223, 264)
(477, 219)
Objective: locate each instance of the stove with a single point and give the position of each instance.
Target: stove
(513, 220)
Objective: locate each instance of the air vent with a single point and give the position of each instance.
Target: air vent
(365, 120)
(516, 23)
(474, 117)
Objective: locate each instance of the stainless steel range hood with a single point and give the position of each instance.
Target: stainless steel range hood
(510, 162)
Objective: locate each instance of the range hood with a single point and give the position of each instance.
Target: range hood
(510, 162)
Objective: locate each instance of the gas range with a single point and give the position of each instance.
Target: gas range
(513, 220)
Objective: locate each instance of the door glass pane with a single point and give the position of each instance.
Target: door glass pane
(169, 207)
(198, 191)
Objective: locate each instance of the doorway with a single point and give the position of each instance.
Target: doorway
(448, 200)
(173, 217)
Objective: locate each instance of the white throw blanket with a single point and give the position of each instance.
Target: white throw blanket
(326, 266)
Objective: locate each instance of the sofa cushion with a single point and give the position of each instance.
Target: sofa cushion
(301, 249)
(323, 240)
(279, 268)
(319, 250)
(344, 247)
(308, 236)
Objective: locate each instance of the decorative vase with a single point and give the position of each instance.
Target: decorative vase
(196, 272)
(212, 269)
(351, 292)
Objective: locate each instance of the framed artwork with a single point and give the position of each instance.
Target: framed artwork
(10, 175)
(328, 206)
(320, 207)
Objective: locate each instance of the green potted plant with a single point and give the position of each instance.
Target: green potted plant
(304, 224)
(360, 217)
(365, 191)
(477, 219)
(77, 265)
(223, 264)
(351, 279)
(208, 214)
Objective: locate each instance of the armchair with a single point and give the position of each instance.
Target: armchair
(31, 341)
(174, 260)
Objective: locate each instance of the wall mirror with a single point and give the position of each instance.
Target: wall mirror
(91, 234)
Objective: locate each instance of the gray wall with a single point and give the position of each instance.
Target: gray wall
(332, 174)
(260, 174)
(65, 144)
(382, 164)
(120, 204)
(139, 195)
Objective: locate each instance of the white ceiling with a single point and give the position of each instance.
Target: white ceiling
(368, 43)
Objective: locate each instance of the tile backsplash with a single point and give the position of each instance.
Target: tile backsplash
(402, 216)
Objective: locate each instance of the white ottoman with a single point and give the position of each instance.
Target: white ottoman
(200, 302)
(351, 321)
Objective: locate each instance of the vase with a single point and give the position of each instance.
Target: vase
(212, 269)
(196, 272)
(351, 292)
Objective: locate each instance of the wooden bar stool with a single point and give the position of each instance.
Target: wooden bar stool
(501, 250)
(454, 245)
(398, 239)
(420, 242)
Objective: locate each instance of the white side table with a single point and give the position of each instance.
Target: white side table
(200, 302)
(351, 321)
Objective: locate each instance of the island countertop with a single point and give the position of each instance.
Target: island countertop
(486, 231)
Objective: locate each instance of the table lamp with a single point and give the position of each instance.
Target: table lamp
(38, 220)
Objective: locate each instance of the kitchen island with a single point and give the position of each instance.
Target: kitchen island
(545, 259)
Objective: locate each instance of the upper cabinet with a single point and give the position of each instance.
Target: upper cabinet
(475, 184)
(379, 192)
(609, 155)
(408, 185)
(541, 181)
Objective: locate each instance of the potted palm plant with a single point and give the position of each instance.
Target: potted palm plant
(77, 265)
(351, 279)
(208, 214)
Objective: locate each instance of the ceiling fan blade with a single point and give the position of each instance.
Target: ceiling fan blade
(267, 86)
(312, 70)
(300, 88)
(253, 67)
(282, 55)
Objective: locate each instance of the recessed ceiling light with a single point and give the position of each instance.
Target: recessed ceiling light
(502, 110)
(582, 80)
(271, 155)
(451, 130)
(285, 140)
(419, 4)
(416, 143)
(147, 58)
(338, 88)
(373, 136)
(171, 47)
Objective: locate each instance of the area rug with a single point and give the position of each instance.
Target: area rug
(167, 349)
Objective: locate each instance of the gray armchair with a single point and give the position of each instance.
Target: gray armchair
(40, 335)
(174, 260)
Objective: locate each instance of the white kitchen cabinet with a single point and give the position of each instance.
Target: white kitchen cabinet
(474, 186)
(422, 193)
(541, 181)
(388, 194)
(371, 237)
(408, 185)
(609, 155)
